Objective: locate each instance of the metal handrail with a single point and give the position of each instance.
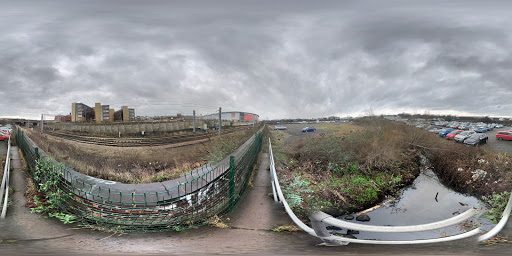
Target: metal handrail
(336, 240)
(5, 181)
(327, 219)
(292, 215)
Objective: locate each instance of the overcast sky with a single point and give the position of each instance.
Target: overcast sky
(279, 59)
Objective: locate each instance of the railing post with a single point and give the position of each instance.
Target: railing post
(231, 182)
(36, 151)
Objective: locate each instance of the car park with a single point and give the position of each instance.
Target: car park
(504, 135)
(309, 129)
(4, 136)
(280, 127)
(463, 135)
(476, 139)
(452, 134)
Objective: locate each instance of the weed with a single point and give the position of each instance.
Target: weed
(497, 203)
(288, 228)
(292, 192)
(178, 228)
(53, 198)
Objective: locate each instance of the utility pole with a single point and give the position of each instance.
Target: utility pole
(42, 115)
(194, 122)
(220, 119)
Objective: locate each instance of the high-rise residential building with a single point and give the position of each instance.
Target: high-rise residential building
(100, 113)
(128, 114)
(81, 112)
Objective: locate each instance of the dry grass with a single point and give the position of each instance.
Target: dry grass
(347, 170)
(353, 170)
(24, 165)
(216, 221)
(498, 239)
(136, 165)
(342, 128)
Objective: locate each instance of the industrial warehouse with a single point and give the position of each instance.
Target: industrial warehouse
(234, 116)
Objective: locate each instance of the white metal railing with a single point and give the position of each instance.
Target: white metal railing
(5, 181)
(319, 218)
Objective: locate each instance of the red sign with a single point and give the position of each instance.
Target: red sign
(248, 117)
(233, 115)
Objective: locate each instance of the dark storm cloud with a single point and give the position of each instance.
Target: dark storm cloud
(278, 59)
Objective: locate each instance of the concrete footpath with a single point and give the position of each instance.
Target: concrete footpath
(258, 209)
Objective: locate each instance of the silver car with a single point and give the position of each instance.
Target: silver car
(280, 127)
(463, 135)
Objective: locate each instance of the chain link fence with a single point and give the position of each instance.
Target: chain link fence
(191, 200)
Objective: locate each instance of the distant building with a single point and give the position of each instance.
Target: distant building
(81, 112)
(103, 113)
(234, 116)
(62, 118)
(128, 114)
(100, 113)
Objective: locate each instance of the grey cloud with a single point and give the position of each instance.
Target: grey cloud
(278, 59)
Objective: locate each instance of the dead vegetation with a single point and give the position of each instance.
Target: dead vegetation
(138, 165)
(343, 171)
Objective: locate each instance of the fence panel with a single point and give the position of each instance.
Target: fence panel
(171, 205)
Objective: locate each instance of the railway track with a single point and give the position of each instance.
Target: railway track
(139, 142)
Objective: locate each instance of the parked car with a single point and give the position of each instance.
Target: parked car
(463, 135)
(452, 134)
(476, 139)
(504, 135)
(445, 132)
(4, 136)
(280, 127)
(309, 129)
(481, 129)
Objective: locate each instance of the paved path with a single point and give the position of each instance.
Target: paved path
(258, 209)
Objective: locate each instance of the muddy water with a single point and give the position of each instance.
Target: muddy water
(417, 204)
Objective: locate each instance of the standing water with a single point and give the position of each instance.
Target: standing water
(425, 201)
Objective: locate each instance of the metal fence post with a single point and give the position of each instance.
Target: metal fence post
(231, 182)
(194, 122)
(36, 151)
(220, 119)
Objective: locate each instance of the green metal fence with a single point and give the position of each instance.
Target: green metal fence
(172, 205)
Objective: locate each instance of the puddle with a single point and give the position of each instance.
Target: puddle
(417, 204)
